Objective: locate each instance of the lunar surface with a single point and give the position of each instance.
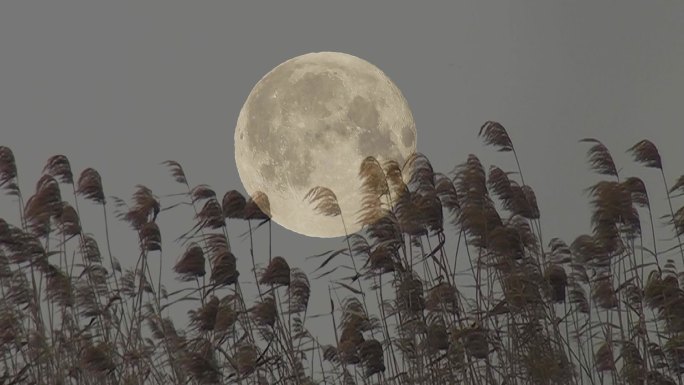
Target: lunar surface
(310, 122)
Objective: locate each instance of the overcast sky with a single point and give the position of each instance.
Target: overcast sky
(122, 86)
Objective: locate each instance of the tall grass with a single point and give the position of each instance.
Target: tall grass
(452, 283)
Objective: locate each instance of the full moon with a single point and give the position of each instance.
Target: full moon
(310, 122)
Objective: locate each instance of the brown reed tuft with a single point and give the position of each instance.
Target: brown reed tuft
(495, 134)
(325, 201)
(191, 264)
(276, 273)
(371, 356)
(58, 167)
(233, 204)
(265, 313)
(258, 207)
(599, 158)
(299, 291)
(646, 153)
(8, 171)
(90, 186)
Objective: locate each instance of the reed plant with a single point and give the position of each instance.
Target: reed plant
(453, 283)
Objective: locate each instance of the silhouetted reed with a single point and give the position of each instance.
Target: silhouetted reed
(452, 283)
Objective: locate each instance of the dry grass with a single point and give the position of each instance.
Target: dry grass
(606, 309)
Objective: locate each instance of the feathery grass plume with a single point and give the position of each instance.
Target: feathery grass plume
(520, 289)
(632, 364)
(654, 377)
(69, 222)
(560, 252)
(299, 291)
(373, 177)
(224, 270)
(495, 134)
(558, 280)
(10, 321)
(603, 359)
(410, 215)
(354, 316)
(603, 293)
(90, 186)
(19, 291)
(97, 275)
(98, 358)
(500, 184)
(475, 341)
(385, 230)
(437, 337)
(89, 249)
(431, 214)
(637, 190)
(150, 237)
(410, 294)
(24, 247)
(446, 192)
(585, 248)
(211, 215)
(477, 216)
(58, 166)
(8, 171)
(350, 341)
(442, 297)
(233, 204)
(371, 355)
(381, 259)
(612, 203)
(145, 208)
(192, 264)
(246, 357)
(646, 153)
(395, 178)
(325, 201)
(664, 295)
(128, 286)
(505, 241)
(201, 192)
(545, 364)
(276, 273)
(58, 288)
(86, 299)
(599, 158)
(200, 361)
(471, 179)
(226, 315)
(258, 206)
(373, 187)
(176, 171)
(521, 201)
(531, 199)
(223, 262)
(45, 204)
(330, 353)
(674, 349)
(204, 318)
(421, 175)
(163, 329)
(265, 312)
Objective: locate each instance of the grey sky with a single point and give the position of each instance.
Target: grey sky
(122, 86)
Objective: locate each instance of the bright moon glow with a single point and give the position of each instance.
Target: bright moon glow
(310, 122)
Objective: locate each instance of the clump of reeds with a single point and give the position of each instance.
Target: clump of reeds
(452, 283)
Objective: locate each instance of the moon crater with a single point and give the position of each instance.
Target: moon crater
(310, 122)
